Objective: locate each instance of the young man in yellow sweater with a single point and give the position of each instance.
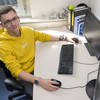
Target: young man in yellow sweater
(17, 48)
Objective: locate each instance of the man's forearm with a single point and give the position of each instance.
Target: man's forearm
(62, 38)
(44, 83)
(57, 38)
(27, 76)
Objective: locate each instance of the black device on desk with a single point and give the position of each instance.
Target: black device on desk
(66, 59)
(97, 87)
(92, 34)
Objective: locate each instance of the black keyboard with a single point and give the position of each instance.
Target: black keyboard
(66, 59)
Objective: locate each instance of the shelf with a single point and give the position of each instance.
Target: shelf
(30, 20)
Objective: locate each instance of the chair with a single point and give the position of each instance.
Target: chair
(12, 84)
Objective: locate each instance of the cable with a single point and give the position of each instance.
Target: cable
(91, 73)
(73, 87)
(83, 85)
(86, 63)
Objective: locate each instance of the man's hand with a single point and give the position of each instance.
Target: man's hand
(71, 39)
(47, 84)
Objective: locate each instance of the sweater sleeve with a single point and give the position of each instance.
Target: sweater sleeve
(10, 61)
(40, 36)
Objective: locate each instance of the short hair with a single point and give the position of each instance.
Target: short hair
(5, 10)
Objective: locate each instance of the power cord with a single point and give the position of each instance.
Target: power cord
(83, 85)
(86, 63)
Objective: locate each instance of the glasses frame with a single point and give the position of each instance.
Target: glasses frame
(9, 22)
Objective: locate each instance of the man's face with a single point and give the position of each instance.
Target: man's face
(11, 22)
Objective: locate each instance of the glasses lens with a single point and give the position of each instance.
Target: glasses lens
(7, 22)
(15, 18)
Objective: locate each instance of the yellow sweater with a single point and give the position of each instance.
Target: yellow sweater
(18, 53)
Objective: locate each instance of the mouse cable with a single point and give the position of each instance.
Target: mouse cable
(83, 85)
(86, 63)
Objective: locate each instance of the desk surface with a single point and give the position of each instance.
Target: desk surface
(46, 66)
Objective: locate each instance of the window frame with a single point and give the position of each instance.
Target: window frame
(22, 8)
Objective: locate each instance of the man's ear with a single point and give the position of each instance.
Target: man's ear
(1, 25)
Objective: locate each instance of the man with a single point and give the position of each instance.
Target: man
(17, 49)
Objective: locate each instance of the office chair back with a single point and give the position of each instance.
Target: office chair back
(6, 71)
(11, 83)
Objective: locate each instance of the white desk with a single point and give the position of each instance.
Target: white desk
(46, 66)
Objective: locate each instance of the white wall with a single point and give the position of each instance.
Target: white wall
(40, 7)
(95, 7)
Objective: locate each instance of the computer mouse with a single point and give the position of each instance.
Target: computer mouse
(59, 85)
(76, 40)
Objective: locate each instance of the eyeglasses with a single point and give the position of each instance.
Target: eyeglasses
(8, 22)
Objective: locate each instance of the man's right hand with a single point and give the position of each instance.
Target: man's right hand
(47, 84)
